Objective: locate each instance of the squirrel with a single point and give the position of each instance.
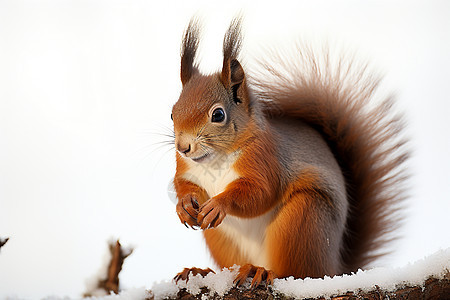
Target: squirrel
(298, 174)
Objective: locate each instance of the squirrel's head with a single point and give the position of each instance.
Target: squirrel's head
(212, 109)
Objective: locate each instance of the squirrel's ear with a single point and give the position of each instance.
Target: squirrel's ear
(233, 77)
(237, 74)
(188, 50)
(232, 73)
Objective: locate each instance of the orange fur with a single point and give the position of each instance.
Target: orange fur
(300, 227)
(259, 172)
(222, 249)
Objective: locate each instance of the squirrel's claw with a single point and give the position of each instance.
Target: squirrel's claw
(260, 276)
(187, 210)
(211, 214)
(184, 275)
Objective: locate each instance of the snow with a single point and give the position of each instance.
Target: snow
(219, 283)
(388, 279)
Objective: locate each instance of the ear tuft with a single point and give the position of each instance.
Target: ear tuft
(189, 48)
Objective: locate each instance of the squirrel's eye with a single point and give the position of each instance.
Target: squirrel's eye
(218, 115)
(171, 116)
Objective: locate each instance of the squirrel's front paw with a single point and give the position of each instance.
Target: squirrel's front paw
(211, 214)
(187, 210)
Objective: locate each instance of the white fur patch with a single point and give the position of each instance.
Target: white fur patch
(214, 175)
(249, 235)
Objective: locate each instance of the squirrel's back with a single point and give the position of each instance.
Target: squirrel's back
(338, 98)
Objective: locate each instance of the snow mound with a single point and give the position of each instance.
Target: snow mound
(436, 265)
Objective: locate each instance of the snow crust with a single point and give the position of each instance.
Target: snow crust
(388, 279)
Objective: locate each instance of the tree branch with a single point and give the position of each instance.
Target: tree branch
(109, 282)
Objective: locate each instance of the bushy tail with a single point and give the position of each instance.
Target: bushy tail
(337, 97)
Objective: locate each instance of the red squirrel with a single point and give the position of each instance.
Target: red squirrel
(296, 175)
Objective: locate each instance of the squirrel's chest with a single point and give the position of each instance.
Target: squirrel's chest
(213, 176)
(248, 235)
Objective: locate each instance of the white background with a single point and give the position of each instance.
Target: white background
(85, 85)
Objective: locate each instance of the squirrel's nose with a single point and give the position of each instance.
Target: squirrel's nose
(184, 149)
